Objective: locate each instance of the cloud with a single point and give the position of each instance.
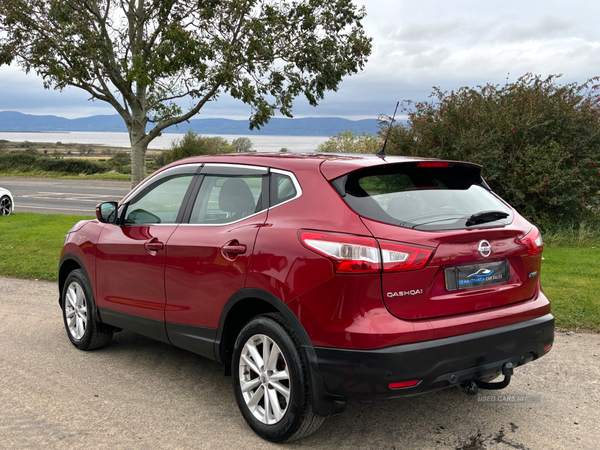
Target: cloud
(417, 45)
(548, 27)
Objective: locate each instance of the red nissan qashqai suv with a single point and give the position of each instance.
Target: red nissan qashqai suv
(316, 279)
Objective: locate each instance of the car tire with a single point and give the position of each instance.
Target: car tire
(6, 206)
(273, 416)
(78, 314)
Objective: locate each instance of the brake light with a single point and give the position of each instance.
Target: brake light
(433, 164)
(349, 254)
(398, 257)
(532, 241)
(353, 254)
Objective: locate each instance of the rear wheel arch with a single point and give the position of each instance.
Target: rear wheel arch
(242, 307)
(248, 303)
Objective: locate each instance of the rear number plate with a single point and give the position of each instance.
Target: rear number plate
(467, 277)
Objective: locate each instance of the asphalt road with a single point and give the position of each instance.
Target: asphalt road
(51, 196)
(141, 394)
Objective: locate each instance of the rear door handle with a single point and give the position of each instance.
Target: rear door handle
(234, 248)
(153, 245)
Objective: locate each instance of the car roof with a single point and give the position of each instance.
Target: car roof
(332, 165)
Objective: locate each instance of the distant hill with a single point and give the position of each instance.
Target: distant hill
(311, 126)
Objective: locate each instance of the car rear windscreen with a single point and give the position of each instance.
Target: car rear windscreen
(424, 198)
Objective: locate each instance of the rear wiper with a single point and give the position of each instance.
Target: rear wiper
(486, 216)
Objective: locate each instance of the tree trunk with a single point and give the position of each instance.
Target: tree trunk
(139, 145)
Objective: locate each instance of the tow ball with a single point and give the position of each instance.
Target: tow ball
(472, 387)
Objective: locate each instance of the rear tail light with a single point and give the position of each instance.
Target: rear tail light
(352, 254)
(532, 241)
(403, 257)
(349, 254)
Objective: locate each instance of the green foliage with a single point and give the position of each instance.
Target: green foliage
(284, 150)
(537, 140)
(192, 144)
(147, 58)
(242, 145)
(351, 142)
(30, 160)
(120, 163)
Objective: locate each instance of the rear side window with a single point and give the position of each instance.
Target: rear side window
(423, 198)
(225, 199)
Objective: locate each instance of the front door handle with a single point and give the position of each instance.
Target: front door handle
(154, 245)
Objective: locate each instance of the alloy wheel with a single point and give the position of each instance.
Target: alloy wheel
(264, 379)
(5, 206)
(76, 310)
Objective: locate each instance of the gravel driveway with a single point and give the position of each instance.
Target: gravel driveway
(142, 394)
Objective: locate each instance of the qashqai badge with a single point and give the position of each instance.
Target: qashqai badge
(485, 249)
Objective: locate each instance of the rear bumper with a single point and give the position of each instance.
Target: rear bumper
(440, 363)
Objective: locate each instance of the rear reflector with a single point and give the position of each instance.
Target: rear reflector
(547, 348)
(350, 254)
(433, 164)
(404, 384)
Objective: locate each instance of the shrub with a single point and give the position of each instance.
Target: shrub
(537, 140)
(192, 144)
(120, 163)
(351, 142)
(18, 160)
(70, 165)
(30, 160)
(242, 145)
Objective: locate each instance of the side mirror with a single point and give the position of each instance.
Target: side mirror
(107, 212)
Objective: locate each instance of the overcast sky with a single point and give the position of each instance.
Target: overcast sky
(416, 45)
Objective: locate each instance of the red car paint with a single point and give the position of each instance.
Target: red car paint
(190, 280)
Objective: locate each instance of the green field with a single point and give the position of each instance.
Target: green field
(109, 176)
(571, 280)
(30, 246)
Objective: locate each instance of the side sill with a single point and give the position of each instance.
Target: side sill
(199, 340)
(151, 328)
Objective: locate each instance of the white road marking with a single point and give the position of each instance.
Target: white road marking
(21, 207)
(93, 198)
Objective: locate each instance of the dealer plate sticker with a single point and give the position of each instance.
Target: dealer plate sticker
(468, 277)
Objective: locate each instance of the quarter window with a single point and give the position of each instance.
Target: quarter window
(282, 189)
(161, 203)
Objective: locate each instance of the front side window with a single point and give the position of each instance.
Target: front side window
(225, 199)
(159, 204)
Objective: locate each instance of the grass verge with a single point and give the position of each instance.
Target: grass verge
(65, 176)
(30, 246)
(571, 280)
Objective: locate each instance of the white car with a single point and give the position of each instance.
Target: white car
(7, 204)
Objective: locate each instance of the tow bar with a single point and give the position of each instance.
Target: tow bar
(472, 387)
